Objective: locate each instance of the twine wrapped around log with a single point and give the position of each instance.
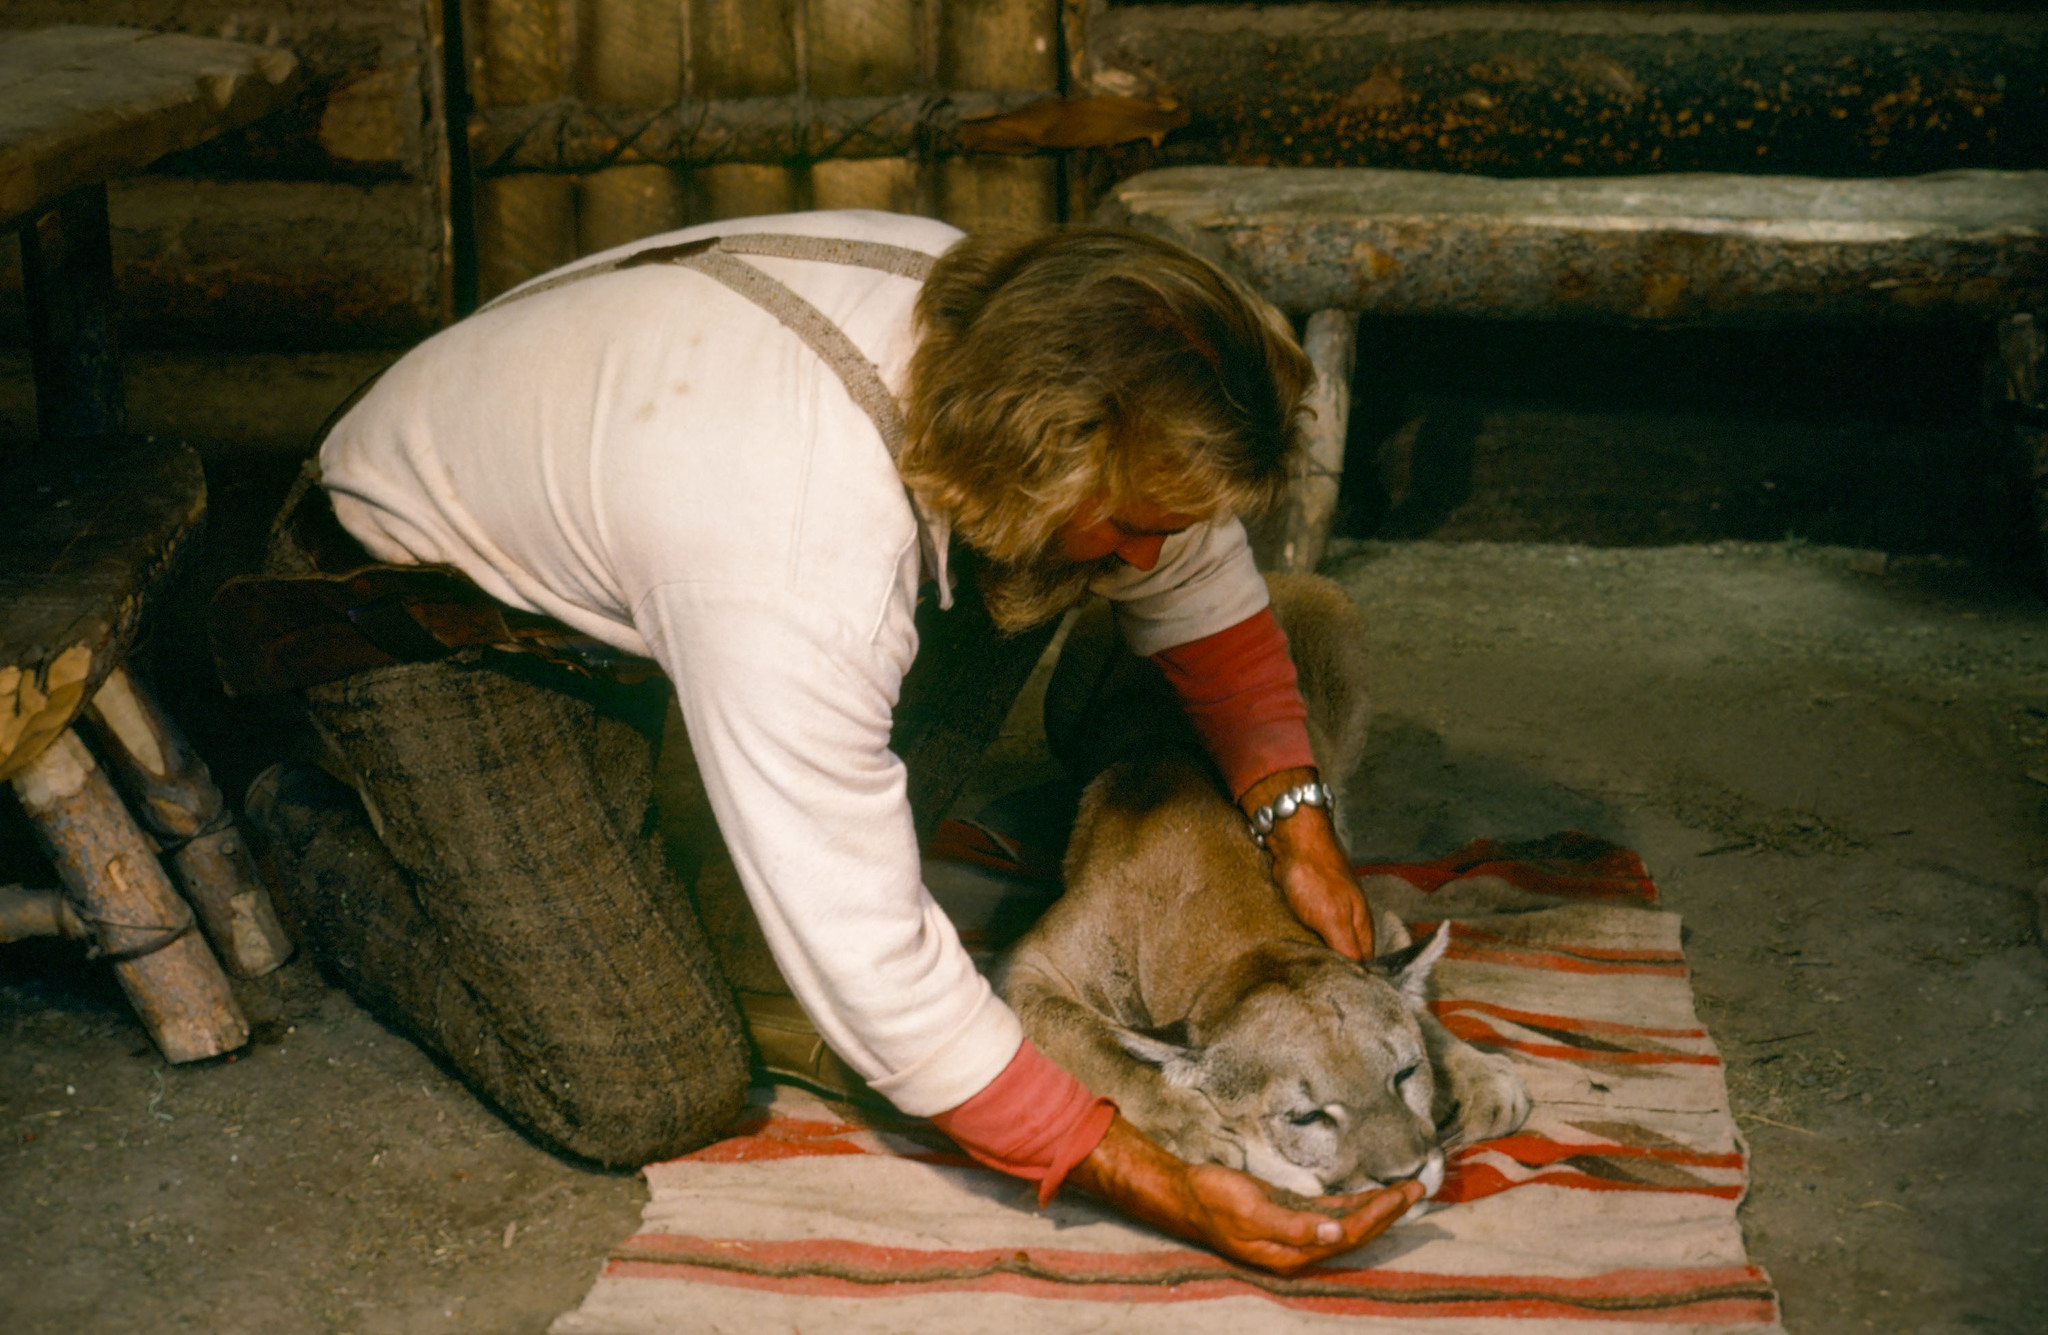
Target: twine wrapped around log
(121, 892)
(177, 799)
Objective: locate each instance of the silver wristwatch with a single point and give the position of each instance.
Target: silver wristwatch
(1314, 793)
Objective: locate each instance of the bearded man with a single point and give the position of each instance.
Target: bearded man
(777, 456)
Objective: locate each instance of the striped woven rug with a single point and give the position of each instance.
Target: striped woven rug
(1612, 1210)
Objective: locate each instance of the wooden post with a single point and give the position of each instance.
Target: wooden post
(177, 798)
(67, 273)
(2022, 350)
(1296, 536)
(120, 889)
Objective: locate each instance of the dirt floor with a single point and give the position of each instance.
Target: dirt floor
(1813, 693)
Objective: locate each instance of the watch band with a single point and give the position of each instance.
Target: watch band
(1314, 793)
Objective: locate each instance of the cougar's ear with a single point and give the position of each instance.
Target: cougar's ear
(1181, 1065)
(1408, 969)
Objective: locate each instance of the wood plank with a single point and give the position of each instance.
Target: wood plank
(85, 543)
(80, 105)
(1714, 249)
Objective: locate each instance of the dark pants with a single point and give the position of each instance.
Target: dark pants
(502, 897)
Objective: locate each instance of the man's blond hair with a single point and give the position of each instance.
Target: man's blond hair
(1056, 369)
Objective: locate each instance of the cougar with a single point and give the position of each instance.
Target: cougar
(1172, 977)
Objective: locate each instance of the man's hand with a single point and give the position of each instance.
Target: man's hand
(1312, 869)
(1228, 1211)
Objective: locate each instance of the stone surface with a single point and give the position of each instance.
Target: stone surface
(1708, 248)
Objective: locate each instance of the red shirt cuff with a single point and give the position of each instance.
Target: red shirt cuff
(1033, 1121)
(1239, 689)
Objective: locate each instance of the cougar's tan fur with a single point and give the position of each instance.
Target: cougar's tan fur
(1172, 977)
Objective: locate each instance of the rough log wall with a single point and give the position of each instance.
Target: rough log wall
(323, 225)
(597, 121)
(637, 118)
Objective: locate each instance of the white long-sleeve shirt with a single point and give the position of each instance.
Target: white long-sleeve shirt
(657, 462)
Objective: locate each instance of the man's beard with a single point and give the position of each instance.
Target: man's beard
(1023, 594)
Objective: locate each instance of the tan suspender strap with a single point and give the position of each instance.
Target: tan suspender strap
(714, 257)
(863, 382)
(899, 260)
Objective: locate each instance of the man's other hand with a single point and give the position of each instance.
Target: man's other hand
(1230, 1212)
(1312, 869)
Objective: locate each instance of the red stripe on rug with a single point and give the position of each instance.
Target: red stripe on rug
(1468, 935)
(1572, 1024)
(1742, 1309)
(976, 845)
(1536, 1151)
(1473, 1033)
(1470, 1182)
(1558, 961)
(1172, 1264)
(777, 1137)
(1572, 865)
(838, 1267)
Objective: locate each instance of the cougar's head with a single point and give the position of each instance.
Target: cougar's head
(1317, 1070)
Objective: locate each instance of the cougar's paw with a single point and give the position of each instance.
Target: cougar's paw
(1189, 1128)
(1492, 1100)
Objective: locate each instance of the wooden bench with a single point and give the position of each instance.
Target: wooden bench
(1727, 250)
(92, 524)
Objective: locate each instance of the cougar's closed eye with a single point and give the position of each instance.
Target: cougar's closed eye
(1401, 1076)
(1309, 1118)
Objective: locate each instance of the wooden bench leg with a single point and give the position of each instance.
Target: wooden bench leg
(67, 273)
(177, 799)
(1301, 530)
(120, 890)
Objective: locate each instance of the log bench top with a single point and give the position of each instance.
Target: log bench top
(84, 105)
(86, 540)
(1677, 249)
